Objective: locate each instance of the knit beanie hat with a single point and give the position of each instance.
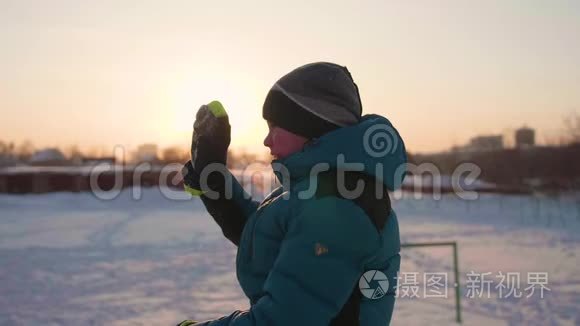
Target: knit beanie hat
(314, 99)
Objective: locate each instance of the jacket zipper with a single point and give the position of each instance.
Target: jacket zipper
(250, 255)
(253, 232)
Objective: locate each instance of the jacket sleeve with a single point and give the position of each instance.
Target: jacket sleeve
(229, 210)
(319, 263)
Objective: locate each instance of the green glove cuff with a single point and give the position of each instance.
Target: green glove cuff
(217, 109)
(192, 191)
(190, 180)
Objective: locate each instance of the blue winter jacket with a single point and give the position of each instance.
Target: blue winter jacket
(301, 255)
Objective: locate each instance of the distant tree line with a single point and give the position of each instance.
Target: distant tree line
(14, 153)
(555, 166)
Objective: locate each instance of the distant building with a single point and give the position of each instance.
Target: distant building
(6, 159)
(525, 137)
(47, 157)
(485, 143)
(88, 160)
(147, 153)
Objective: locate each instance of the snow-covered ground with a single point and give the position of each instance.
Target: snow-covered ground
(71, 259)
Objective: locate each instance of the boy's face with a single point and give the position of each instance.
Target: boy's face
(282, 142)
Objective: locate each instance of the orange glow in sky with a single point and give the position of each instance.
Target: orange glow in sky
(113, 73)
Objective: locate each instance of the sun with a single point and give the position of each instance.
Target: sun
(242, 103)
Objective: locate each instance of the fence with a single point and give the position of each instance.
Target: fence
(452, 244)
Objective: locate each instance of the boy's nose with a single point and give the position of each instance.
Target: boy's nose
(267, 142)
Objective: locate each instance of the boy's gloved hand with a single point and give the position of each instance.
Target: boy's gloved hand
(209, 144)
(211, 136)
(187, 323)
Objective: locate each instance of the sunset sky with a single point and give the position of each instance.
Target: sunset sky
(102, 73)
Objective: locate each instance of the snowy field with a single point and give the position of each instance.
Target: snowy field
(71, 259)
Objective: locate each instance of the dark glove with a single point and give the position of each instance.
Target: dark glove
(187, 323)
(209, 146)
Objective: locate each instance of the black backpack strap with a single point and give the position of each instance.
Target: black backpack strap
(349, 314)
(376, 205)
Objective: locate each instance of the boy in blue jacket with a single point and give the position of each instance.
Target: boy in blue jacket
(323, 248)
